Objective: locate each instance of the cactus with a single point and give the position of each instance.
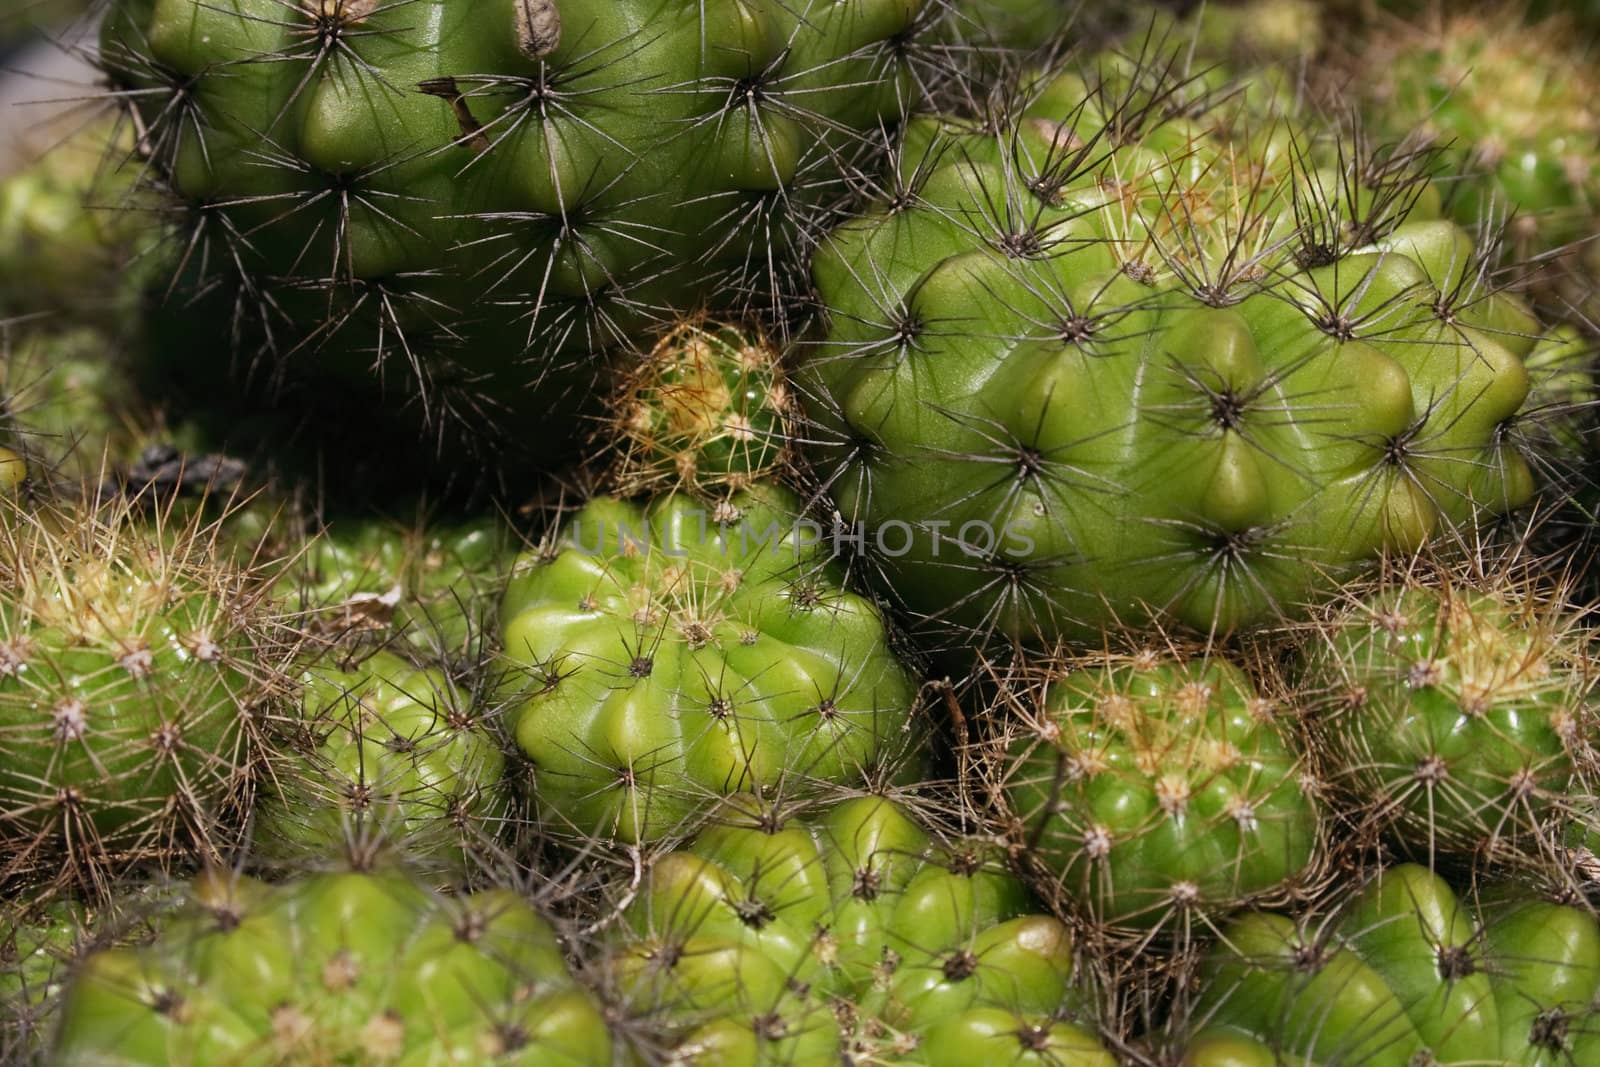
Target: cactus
(483, 204)
(428, 584)
(1154, 790)
(336, 968)
(1114, 353)
(855, 936)
(709, 410)
(42, 941)
(134, 670)
(680, 651)
(1454, 710)
(1404, 972)
(383, 749)
(1510, 105)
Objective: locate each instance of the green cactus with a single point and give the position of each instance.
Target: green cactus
(854, 936)
(709, 410)
(429, 584)
(1456, 713)
(1153, 790)
(1509, 104)
(1406, 972)
(134, 669)
(484, 202)
(382, 749)
(681, 651)
(1111, 354)
(41, 941)
(352, 968)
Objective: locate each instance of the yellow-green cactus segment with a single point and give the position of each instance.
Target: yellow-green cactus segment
(1154, 790)
(708, 409)
(854, 933)
(1407, 973)
(1511, 106)
(1109, 364)
(336, 968)
(1457, 718)
(680, 651)
(385, 750)
(131, 675)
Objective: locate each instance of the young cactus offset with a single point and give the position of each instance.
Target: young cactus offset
(133, 671)
(709, 410)
(1115, 352)
(1455, 711)
(853, 935)
(1403, 972)
(1152, 791)
(386, 752)
(676, 652)
(357, 968)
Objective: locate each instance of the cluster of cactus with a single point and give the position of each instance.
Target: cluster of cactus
(1403, 971)
(482, 204)
(1111, 356)
(341, 967)
(1032, 554)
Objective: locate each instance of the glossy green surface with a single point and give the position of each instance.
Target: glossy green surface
(680, 651)
(1408, 972)
(1118, 363)
(336, 969)
(795, 939)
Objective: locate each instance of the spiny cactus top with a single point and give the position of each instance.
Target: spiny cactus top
(1404, 973)
(708, 410)
(482, 196)
(1461, 716)
(854, 937)
(680, 651)
(1151, 790)
(331, 969)
(382, 751)
(1116, 352)
(132, 669)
